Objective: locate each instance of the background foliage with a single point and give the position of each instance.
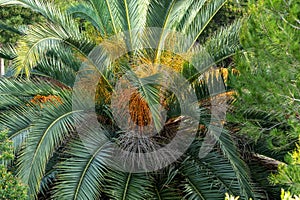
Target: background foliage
(267, 107)
(11, 188)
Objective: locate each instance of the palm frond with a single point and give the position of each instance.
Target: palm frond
(62, 29)
(57, 68)
(47, 182)
(169, 14)
(47, 133)
(225, 42)
(164, 185)
(18, 122)
(127, 186)
(81, 174)
(199, 183)
(223, 171)
(104, 13)
(67, 58)
(88, 13)
(195, 27)
(221, 45)
(18, 92)
(218, 167)
(127, 16)
(17, 112)
(40, 39)
(189, 15)
(230, 151)
(8, 52)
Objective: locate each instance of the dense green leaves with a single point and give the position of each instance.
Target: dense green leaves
(288, 174)
(127, 186)
(12, 20)
(267, 105)
(10, 186)
(268, 85)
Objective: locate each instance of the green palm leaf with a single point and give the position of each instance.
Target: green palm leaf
(225, 42)
(87, 12)
(164, 185)
(81, 175)
(170, 10)
(199, 183)
(61, 67)
(8, 52)
(18, 122)
(195, 27)
(47, 134)
(61, 30)
(40, 39)
(18, 92)
(127, 186)
(229, 149)
(218, 167)
(18, 113)
(218, 47)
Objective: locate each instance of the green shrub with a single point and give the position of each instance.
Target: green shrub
(11, 187)
(289, 174)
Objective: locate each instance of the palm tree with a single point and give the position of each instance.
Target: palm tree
(38, 109)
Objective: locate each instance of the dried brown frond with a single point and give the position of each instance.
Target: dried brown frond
(40, 100)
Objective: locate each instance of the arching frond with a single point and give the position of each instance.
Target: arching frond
(230, 151)
(195, 27)
(225, 42)
(8, 52)
(127, 186)
(218, 47)
(81, 175)
(62, 29)
(199, 183)
(87, 12)
(18, 92)
(164, 185)
(61, 66)
(18, 122)
(166, 18)
(47, 133)
(218, 167)
(40, 39)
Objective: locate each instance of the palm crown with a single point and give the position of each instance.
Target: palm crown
(40, 115)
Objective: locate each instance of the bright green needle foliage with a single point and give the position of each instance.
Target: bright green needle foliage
(11, 188)
(269, 80)
(268, 95)
(15, 17)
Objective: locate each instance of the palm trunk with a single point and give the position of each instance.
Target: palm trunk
(2, 69)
